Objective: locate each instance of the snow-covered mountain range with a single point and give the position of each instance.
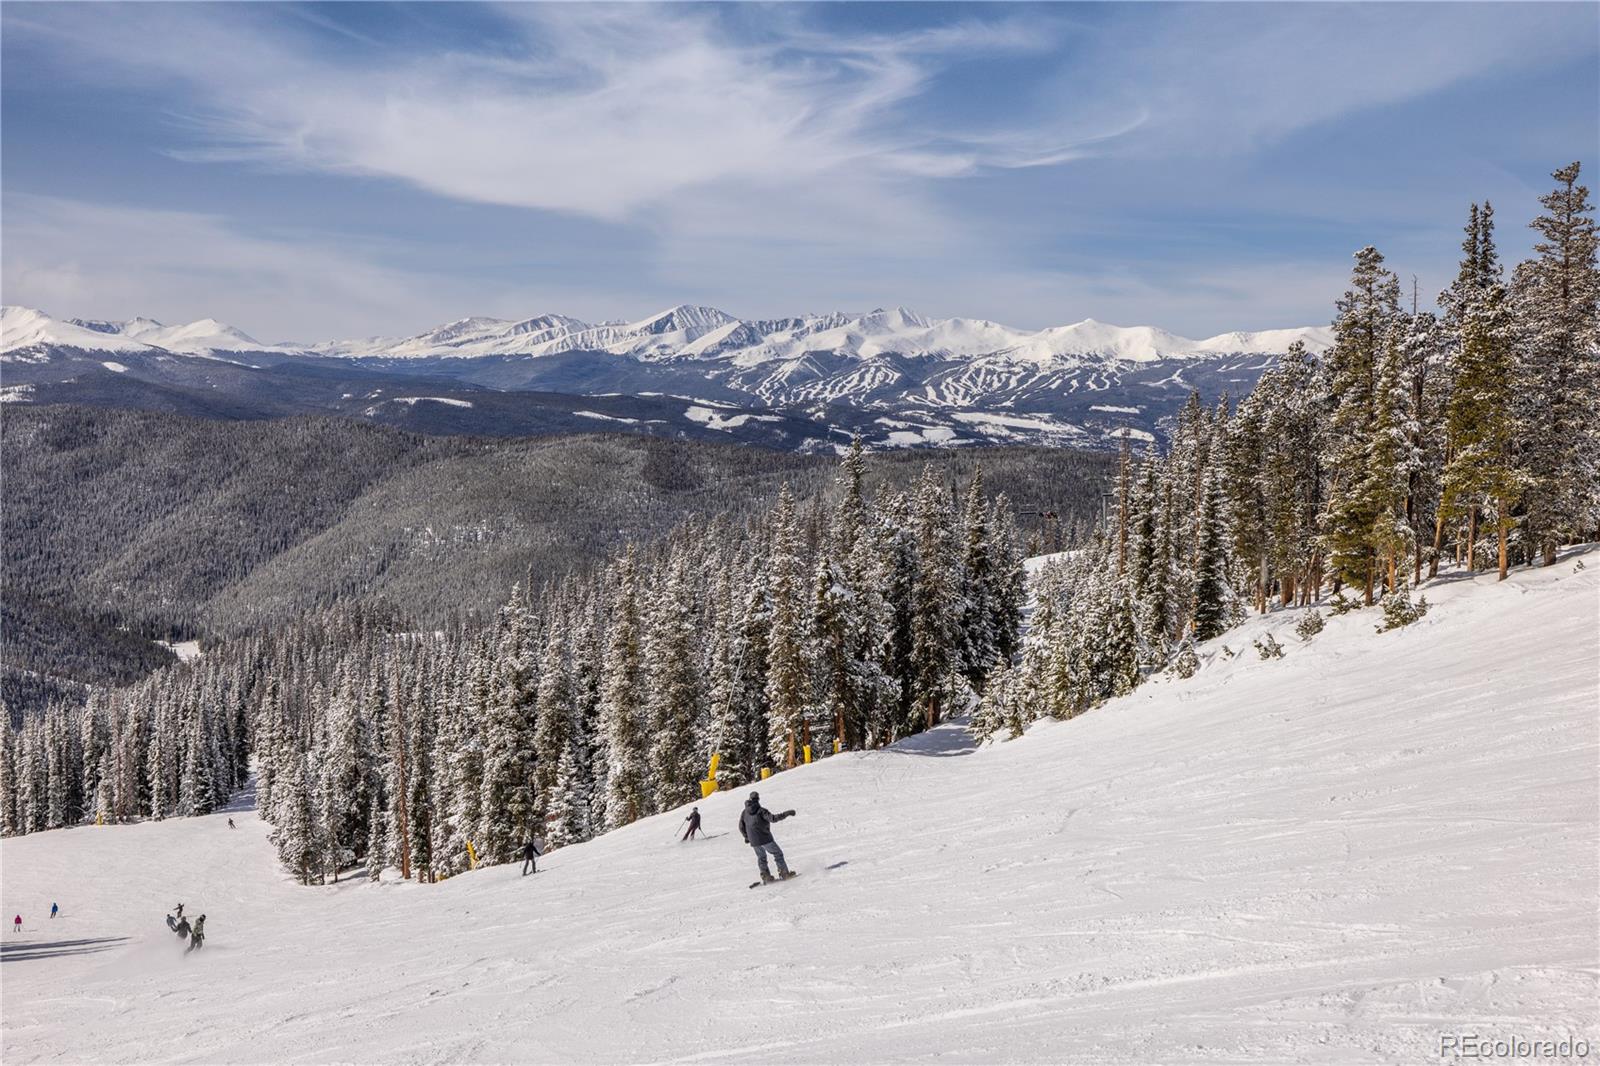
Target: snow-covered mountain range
(684, 332)
(895, 376)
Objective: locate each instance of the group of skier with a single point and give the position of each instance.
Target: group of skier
(755, 826)
(16, 923)
(194, 933)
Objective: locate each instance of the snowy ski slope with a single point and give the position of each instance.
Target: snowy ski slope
(1334, 857)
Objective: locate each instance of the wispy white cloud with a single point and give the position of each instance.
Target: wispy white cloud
(597, 110)
(1224, 79)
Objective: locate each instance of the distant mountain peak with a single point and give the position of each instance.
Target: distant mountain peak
(25, 327)
(702, 333)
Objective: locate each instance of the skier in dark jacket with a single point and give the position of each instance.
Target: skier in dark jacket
(694, 824)
(755, 825)
(178, 910)
(183, 929)
(197, 935)
(530, 853)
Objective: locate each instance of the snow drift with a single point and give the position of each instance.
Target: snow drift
(1338, 856)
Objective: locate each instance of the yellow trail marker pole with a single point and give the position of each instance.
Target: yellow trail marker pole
(472, 857)
(808, 754)
(766, 772)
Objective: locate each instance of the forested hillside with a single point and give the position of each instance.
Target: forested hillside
(120, 526)
(1471, 436)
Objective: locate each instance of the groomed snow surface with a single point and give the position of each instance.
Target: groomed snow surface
(1339, 856)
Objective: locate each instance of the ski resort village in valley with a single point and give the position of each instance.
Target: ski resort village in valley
(818, 680)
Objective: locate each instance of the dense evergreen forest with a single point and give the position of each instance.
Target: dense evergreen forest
(847, 618)
(1470, 436)
(118, 527)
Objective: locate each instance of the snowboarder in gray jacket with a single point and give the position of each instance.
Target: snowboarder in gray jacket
(755, 825)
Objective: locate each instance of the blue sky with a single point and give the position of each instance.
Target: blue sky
(307, 171)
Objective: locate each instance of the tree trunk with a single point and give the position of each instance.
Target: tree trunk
(1550, 547)
(1367, 589)
(1502, 523)
(1472, 541)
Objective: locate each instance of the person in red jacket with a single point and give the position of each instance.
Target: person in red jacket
(16, 924)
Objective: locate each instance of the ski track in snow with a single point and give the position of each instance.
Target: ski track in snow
(1333, 857)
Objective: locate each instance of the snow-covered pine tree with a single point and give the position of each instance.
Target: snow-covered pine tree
(93, 741)
(1479, 268)
(1557, 309)
(552, 714)
(569, 803)
(377, 835)
(938, 679)
(897, 550)
(508, 747)
(195, 787)
(1482, 473)
(1010, 581)
(980, 598)
(420, 805)
(748, 712)
(465, 802)
(835, 629)
(10, 817)
(268, 723)
(1240, 463)
(1368, 312)
(673, 707)
(1391, 459)
(296, 833)
(1212, 594)
(586, 783)
(622, 705)
(1423, 366)
(1294, 474)
(162, 758)
(789, 671)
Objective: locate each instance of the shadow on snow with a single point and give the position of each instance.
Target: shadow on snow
(47, 949)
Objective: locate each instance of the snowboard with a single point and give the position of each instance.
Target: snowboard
(792, 875)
